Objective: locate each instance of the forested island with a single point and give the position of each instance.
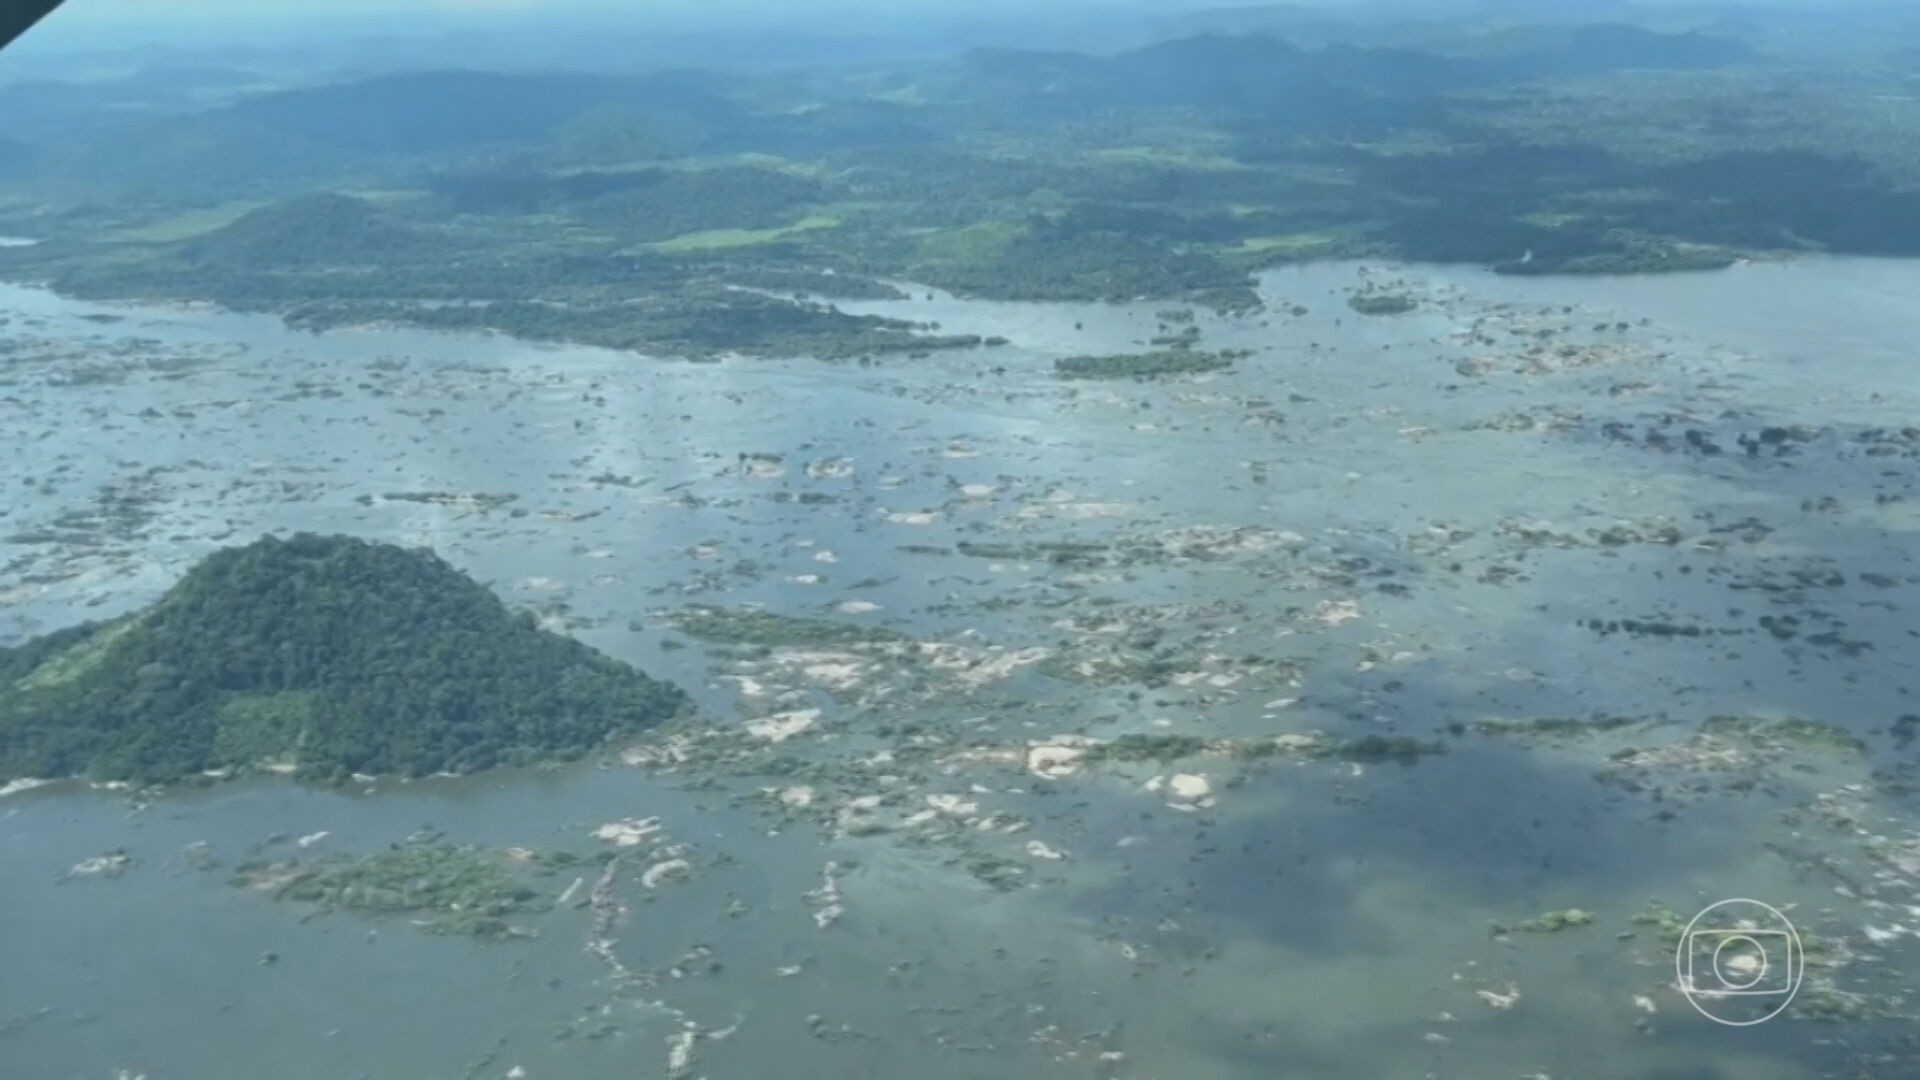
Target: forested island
(321, 656)
(706, 213)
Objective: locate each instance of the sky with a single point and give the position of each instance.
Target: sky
(81, 25)
(108, 11)
(100, 38)
(90, 16)
(87, 24)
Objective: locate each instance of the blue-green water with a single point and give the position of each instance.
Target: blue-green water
(1422, 506)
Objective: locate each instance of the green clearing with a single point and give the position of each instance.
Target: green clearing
(1303, 245)
(191, 223)
(1171, 157)
(725, 239)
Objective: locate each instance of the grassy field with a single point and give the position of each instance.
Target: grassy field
(1167, 157)
(723, 239)
(1305, 245)
(191, 223)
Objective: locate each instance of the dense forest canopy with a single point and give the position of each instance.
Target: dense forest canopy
(630, 209)
(326, 655)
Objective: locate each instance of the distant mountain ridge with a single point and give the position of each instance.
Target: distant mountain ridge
(1251, 71)
(428, 111)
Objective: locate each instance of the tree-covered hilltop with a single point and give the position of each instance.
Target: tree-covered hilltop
(328, 654)
(326, 230)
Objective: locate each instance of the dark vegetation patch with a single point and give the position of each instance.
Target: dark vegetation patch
(329, 655)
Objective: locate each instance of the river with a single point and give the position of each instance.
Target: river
(1400, 526)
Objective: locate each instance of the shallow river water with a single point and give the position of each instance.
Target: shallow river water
(1415, 526)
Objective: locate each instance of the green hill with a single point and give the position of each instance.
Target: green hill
(428, 112)
(324, 230)
(329, 655)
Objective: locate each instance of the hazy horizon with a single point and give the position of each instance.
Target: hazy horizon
(81, 23)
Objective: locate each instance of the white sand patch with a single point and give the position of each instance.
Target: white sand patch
(1299, 744)
(664, 871)
(1074, 511)
(1501, 1001)
(913, 517)
(827, 901)
(675, 750)
(782, 726)
(857, 816)
(680, 1052)
(1189, 787)
(991, 755)
(977, 491)
(109, 865)
(1041, 851)
(805, 579)
(953, 805)
(1215, 679)
(858, 607)
(824, 556)
(973, 668)
(631, 832)
(1053, 760)
(837, 670)
(1335, 612)
(797, 797)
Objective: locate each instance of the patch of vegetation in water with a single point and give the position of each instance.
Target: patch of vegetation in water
(1554, 726)
(1552, 922)
(1369, 748)
(1148, 668)
(1645, 259)
(1138, 747)
(1812, 734)
(1141, 365)
(479, 500)
(1382, 303)
(699, 322)
(1052, 551)
(752, 626)
(443, 888)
